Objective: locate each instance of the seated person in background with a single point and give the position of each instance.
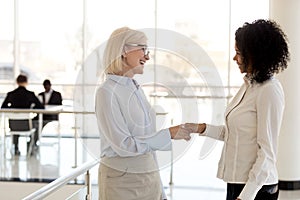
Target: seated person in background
(49, 97)
(22, 98)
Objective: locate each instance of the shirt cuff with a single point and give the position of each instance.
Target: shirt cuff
(249, 192)
(213, 132)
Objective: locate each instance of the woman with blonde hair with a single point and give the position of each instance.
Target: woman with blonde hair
(126, 122)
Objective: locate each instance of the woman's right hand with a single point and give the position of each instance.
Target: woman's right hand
(179, 132)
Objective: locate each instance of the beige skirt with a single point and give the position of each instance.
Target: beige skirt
(129, 178)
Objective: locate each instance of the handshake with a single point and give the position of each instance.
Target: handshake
(184, 131)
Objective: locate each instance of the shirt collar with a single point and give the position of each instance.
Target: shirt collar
(248, 79)
(122, 80)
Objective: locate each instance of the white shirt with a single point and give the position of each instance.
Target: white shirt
(126, 120)
(47, 96)
(252, 125)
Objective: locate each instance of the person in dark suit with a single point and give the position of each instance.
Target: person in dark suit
(49, 97)
(22, 98)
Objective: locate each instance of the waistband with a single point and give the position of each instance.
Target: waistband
(137, 164)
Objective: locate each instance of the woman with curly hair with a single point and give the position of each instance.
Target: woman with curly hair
(253, 117)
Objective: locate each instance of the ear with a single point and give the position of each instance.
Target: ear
(123, 55)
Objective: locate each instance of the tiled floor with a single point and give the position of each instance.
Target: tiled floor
(193, 178)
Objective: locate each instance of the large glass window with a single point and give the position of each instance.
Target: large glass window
(50, 42)
(6, 45)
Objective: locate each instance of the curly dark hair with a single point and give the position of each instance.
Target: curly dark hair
(263, 44)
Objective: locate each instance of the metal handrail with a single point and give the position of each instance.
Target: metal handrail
(43, 111)
(61, 181)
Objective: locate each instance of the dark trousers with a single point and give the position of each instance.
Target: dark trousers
(35, 124)
(267, 192)
(16, 141)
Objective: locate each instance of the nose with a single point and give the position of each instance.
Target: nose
(234, 57)
(147, 56)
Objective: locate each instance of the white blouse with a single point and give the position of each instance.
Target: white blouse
(250, 135)
(126, 120)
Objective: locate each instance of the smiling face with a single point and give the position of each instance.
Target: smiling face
(134, 58)
(240, 61)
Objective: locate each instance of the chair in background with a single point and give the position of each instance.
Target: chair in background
(21, 124)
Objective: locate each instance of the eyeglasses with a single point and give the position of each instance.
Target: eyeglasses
(144, 47)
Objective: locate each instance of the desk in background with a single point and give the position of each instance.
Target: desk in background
(48, 110)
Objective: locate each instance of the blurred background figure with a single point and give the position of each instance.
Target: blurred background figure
(49, 97)
(22, 98)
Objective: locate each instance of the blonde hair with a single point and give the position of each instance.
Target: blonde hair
(112, 58)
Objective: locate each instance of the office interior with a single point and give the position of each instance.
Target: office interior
(190, 77)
